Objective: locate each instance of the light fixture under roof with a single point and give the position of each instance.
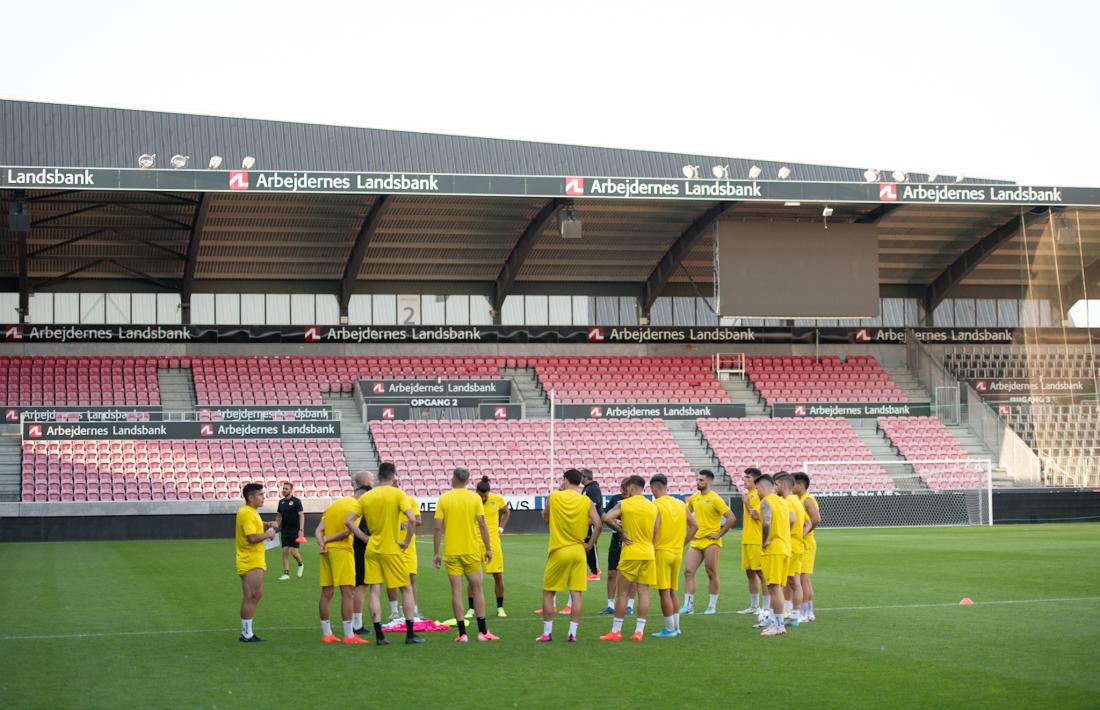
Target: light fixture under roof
(147, 160)
(784, 173)
(720, 172)
(870, 175)
(960, 178)
(179, 161)
(899, 176)
(248, 162)
(755, 172)
(691, 172)
(216, 162)
(827, 211)
(931, 177)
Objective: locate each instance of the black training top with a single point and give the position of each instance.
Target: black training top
(289, 510)
(616, 538)
(593, 492)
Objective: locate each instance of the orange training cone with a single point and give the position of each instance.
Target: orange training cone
(966, 601)
(301, 539)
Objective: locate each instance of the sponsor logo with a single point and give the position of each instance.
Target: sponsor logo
(595, 335)
(574, 186)
(34, 431)
(863, 335)
(238, 179)
(888, 192)
(13, 332)
(206, 430)
(204, 413)
(596, 412)
(1004, 410)
(313, 335)
(981, 386)
(500, 413)
(12, 415)
(388, 413)
(378, 388)
(800, 410)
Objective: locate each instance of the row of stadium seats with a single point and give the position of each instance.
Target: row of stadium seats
(70, 381)
(577, 380)
(970, 365)
(516, 454)
(924, 439)
(788, 444)
(798, 378)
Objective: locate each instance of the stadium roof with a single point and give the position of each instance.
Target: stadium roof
(198, 240)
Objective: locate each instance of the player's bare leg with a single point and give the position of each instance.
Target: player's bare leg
(498, 588)
(691, 566)
(252, 590)
(375, 606)
(409, 599)
(756, 585)
(347, 609)
(642, 592)
(621, 597)
(710, 558)
(323, 605)
(794, 597)
(807, 596)
(475, 584)
(548, 609)
(395, 614)
(774, 622)
(612, 589)
(456, 606)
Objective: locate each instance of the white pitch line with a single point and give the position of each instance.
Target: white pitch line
(531, 618)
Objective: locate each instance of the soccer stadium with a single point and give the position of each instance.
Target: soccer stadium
(749, 354)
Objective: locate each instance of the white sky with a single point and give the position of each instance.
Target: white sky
(991, 89)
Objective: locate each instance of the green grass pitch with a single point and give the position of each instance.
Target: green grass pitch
(154, 624)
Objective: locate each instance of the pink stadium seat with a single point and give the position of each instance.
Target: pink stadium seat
(926, 439)
(804, 378)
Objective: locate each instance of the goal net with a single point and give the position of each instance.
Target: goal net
(903, 493)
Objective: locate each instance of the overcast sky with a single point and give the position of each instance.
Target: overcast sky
(990, 89)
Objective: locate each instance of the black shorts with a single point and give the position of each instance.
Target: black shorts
(358, 549)
(288, 538)
(613, 553)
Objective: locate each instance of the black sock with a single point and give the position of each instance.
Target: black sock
(481, 625)
(409, 628)
(286, 571)
(461, 627)
(378, 631)
(471, 600)
(500, 602)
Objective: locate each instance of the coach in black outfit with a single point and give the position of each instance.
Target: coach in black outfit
(290, 521)
(593, 492)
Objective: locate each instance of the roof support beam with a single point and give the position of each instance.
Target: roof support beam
(876, 214)
(1077, 288)
(191, 259)
(359, 250)
(676, 254)
(506, 279)
(959, 269)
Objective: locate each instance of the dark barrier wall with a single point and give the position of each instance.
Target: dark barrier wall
(1009, 506)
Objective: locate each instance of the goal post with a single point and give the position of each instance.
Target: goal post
(916, 493)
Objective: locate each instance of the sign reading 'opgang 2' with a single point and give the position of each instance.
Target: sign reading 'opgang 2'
(572, 186)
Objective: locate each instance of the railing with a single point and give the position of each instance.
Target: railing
(727, 365)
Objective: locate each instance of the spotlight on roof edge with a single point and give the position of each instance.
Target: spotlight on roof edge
(870, 175)
(899, 176)
(755, 172)
(784, 173)
(691, 172)
(248, 162)
(179, 161)
(720, 172)
(827, 211)
(960, 178)
(147, 160)
(931, 177)
(215, 162)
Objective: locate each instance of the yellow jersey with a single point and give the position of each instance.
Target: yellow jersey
(751, 530)
(805, 497)
(568, 518)
(334, 517)
(383, 508)
(708, 511)
(494, 504)
(459, 509)
(779, 533)
(795, 504)
(250, 555)
(670, 536)
(639, 519)
(416, 511)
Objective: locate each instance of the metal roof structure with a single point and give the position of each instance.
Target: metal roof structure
(197, 241)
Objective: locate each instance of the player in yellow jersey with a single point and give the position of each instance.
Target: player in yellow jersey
(750, 541)
(497, 513)
(638, 521)
(251, 531)
(775, 552)
(569, 514)
(411, 564)
(715, 520)
(337, 568)
(678, 526)
(460, 521)
(383, 509)
(809, 557)
(793, 605)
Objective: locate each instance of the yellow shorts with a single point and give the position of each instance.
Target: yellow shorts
(390, 570)
(809, 556)
(338, 568)
(750, 556)
(497, 565)
(640, 571)
(774, 568)
(668, 569)
(703, 543)
(411, 561)
(243, 569)
(794, 567)
(462, 565)
(566, 570)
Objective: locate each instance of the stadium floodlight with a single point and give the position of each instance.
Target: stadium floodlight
(691, 172)
(720, 172)
(179, 161)
(215, 162)
(870, 175)
(784, 173)
(931, 177)
(960, 178)
(899, 176)
(568, 223)
(147, 160)
(248, 162)
(827, 212)
(755, 172)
